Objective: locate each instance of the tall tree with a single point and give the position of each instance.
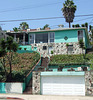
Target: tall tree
(2, 54)
(7, 50)
(24, 26)
(68, 11)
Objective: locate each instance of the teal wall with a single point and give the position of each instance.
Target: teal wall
(2, 88)
(71, 34)
(28, 47)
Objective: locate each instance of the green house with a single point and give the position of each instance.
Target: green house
(55, 41)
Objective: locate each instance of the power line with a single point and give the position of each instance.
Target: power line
(75, 21)
(24, 8)
(83, 19)
(43, 18)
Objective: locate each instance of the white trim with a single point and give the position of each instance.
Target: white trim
(48, 37)
(34, 38)
(51, 38)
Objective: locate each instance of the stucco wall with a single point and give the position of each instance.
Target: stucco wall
(11, 88)
(71, 34)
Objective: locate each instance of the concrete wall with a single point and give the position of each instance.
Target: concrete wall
(11, 88)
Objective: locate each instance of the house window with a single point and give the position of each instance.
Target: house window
(80, 35)
(41, 38)
(44, 47)
(31, 38)
(51, 35)
(70, 48)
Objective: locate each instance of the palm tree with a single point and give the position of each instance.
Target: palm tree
(68, 11)
(24, 26)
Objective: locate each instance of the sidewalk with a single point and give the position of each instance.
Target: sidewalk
(47, 97)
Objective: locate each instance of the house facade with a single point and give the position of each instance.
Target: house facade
(55, 41)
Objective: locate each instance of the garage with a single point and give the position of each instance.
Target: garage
(63, 85)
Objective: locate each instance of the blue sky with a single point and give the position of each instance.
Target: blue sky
(31, 9)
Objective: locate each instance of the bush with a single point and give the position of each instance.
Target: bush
(18, 76)
(52, 52)
(57, 59)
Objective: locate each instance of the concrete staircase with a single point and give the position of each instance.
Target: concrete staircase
(44, 64)
(28, 89)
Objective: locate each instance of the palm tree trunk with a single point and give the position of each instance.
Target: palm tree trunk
(69, 25)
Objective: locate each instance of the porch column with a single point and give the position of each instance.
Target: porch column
(23, 38)
(15, 37)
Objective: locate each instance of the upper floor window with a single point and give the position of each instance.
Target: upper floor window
(80, 35)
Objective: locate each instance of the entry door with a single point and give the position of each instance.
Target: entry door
(50, 49)
(63, 85)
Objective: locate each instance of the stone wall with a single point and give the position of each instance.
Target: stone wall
(36, 83)
(89, 83)
(57, 48)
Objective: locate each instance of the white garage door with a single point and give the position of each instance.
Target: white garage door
(63, 85)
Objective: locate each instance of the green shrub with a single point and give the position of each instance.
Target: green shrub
(52, 52)
(18, 76)
(66, 59)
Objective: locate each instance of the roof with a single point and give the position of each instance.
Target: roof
(22, 31)
(59, 29)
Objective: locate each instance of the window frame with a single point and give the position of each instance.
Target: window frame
(49, 38)
(32, 39)
(42, 33)
(80, 36)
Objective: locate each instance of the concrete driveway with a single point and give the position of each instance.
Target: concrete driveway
(46, 97)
